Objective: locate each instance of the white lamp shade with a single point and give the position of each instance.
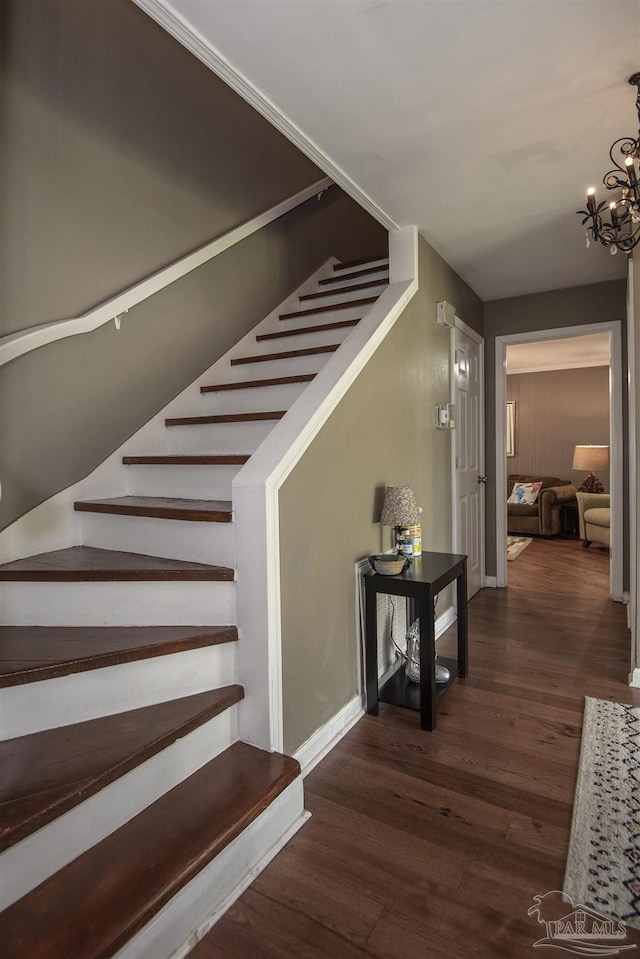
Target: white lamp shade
(591, 458)
(399, 507)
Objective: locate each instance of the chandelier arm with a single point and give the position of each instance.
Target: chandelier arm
(621, 230)
(628, 148)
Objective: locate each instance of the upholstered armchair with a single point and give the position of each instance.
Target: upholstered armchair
(594, 516)
(543, 518)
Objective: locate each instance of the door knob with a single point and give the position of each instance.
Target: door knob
(482, 479)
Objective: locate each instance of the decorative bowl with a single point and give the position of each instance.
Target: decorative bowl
(388, 564)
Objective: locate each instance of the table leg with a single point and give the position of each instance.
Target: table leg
(461, 596)
(428, 701)
(371, 649)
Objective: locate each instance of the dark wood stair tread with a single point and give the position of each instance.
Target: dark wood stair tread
(341, 324)
(225, 418)
(329, 307)
(348, 264)
(191, 459)
(353, 276)
(161, 507)
(254, 384)
(90, 564)
(47, 773)
(286, 355)
(33, 653)
(93, 906)
(343, 289)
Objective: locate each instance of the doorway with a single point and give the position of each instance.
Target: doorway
(612, 329)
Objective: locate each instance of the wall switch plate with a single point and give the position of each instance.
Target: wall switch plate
(445, 416)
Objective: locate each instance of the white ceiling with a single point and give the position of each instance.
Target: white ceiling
(483, 121)
(592, 349)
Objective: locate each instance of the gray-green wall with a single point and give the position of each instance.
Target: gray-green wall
(121, 152)
(557, 410)
(382, 433)
(597, 303)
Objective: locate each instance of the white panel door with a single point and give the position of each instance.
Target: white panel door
(469, 458)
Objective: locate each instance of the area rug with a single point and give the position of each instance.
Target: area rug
(515, 545)
(603, 865)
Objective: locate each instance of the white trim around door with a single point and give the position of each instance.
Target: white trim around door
(616, 441)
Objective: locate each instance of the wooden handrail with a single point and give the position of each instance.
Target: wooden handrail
(23, 341)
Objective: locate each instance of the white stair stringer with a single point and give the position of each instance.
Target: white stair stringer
(177, 927)
(129, 603)
(32, 860)
(106, 691)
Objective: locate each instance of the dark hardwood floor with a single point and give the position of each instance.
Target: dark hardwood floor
(434, 844)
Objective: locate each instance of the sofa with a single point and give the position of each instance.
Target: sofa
(544, 517)
(594, 516)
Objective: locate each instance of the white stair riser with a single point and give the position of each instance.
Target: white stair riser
(310, 339)
(190, 482)
(178, 926)
(301, 341)
(37, 857)
(361, 294)
(118, 604)
(114, 689)
(244, 437)
(255, 399)
(211, 543)
(263, 369)
(382, 264)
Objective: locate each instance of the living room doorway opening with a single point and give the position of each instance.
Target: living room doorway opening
(536, 373)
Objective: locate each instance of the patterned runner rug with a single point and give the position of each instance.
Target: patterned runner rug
(603, 865)
(515, 545)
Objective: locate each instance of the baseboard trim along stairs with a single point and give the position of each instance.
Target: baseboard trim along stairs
(133, 814)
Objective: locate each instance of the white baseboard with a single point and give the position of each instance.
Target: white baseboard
(327, 736)
(181, 924)
(634, 678)
(491, 582)
(445, 620)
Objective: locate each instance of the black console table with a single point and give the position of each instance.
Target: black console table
(421, 582)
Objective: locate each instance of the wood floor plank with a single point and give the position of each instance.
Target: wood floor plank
(492, 787)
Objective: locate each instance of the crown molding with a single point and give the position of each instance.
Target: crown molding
(162, 12)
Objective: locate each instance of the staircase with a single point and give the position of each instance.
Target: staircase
(131, 814)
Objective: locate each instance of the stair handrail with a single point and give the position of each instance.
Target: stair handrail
(17, 344)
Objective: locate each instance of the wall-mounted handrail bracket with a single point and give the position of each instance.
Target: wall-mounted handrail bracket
(17, 344)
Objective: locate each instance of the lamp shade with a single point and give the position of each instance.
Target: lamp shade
(591, 458)
(399, 507)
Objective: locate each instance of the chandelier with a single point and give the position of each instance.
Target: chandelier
(622, 230)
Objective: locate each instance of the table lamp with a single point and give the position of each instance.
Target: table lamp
(399, 508)
(588, 459)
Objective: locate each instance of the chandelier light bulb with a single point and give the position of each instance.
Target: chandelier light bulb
(620, 231)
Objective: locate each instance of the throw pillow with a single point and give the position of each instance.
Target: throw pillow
(525, 493)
